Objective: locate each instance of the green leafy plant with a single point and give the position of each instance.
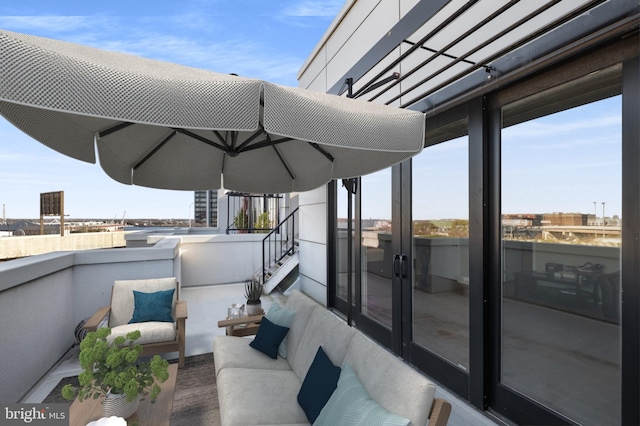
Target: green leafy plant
(241, 221)
(263, 223)
(252, 291)
(115, 367)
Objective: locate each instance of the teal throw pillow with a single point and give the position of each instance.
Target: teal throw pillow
(152, 306)
(318, 385)
(282, 317)
(269, 337)
(351, 404)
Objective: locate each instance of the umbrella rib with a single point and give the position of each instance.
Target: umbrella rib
(266, 143)
(114, 129)
(201, 139)
(154, 150)
(222, 140)
(234, 140)
(250, 139)
(275, 148)
(322, 151)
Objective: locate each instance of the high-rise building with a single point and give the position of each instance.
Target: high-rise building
(206, 208)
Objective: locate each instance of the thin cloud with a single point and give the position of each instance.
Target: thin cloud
(230, 55)
(578, 141)
(239, 56)
(537, 129)
(328, 8)
(12, 157)
(48, 24)
(17, 179)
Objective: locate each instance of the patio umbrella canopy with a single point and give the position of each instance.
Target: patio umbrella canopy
(168, 126)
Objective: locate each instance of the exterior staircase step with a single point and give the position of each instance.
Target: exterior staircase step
(276, 275)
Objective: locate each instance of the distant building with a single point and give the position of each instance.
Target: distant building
(547, 219)
(206, 208)
(566, 219)
(529, 219)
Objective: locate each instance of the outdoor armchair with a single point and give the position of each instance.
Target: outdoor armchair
(152, 306)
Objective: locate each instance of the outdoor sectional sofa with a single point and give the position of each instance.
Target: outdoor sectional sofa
(254, 389)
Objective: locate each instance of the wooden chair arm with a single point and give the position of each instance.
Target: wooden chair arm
(181, 323)
(95, 320)
(181, 309)
(440, 411)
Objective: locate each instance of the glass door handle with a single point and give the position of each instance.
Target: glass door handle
(403, 265)
(400, 265)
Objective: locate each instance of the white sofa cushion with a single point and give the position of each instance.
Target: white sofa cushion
(323, 329)
(249, 396)
(303, 306)
(150, 332)
(366, 359)
(233, 352)
(351, 404)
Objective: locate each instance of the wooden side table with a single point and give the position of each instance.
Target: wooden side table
(148, 414)
(245, 326)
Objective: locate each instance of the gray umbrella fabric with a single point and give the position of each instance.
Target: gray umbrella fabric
(163, 125)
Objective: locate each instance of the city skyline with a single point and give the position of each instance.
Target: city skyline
(250, 38)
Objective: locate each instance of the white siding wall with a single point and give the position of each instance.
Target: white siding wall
(349, 38)
(313, 243)
(346, 41)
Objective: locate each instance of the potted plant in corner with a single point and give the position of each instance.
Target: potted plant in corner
(114, 371)
(253, 292)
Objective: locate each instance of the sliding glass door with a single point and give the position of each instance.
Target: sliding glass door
(376, 264)
(561, 249)
(440, 240)
(377, 250)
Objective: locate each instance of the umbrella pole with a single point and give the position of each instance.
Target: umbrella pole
(350, 185)
(350, 256)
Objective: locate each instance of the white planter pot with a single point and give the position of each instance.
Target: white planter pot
(115, 404)
(254, 309)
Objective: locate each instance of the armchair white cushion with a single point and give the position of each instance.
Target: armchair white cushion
(123, 302)
(156, 337)
(150, 332)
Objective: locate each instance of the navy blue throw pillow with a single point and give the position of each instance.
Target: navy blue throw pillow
(152, 306)
(269, 337)
(318, 385)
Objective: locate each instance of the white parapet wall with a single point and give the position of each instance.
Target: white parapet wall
(30, 245)
(219, 259)
(44, 297)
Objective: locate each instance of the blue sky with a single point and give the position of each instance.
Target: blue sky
(254, 38)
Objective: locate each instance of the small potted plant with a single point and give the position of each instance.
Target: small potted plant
(253, 292)
(114, 371)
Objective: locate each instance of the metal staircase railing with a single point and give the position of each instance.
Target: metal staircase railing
(280, 242)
